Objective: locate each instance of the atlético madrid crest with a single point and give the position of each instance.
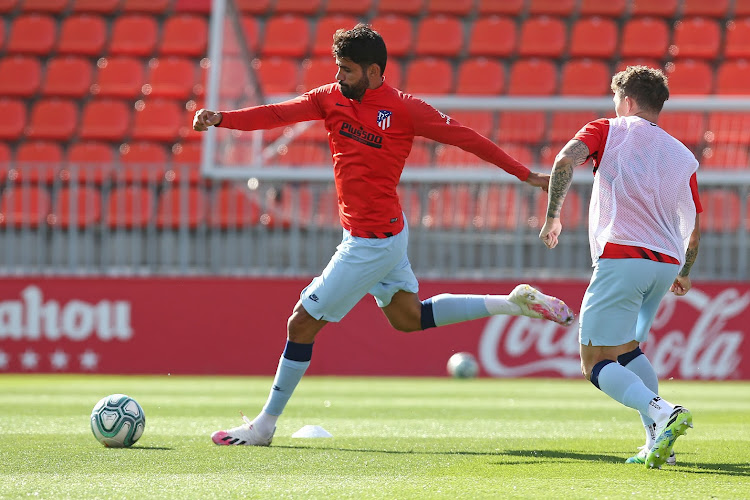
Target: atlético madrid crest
(384, 119)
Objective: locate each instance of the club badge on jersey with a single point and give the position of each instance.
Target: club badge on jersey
(384, 119)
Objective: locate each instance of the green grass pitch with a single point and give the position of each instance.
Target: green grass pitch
(395, 438)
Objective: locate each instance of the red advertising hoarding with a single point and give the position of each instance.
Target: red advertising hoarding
(237, 326)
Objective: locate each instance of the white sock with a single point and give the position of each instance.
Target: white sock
(265, 423)
(642, 367)
(499, 304)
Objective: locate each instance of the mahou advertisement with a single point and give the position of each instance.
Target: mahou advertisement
(238, 327)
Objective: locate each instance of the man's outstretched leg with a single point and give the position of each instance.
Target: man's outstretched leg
(292, 366)
(406, 313)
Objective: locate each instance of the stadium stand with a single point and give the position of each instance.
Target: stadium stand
(111, 86)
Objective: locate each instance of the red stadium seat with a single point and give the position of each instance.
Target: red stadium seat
(83, 35)
(319, 71)
(481, 121)
(404, 7)
(610, 8)
(324, 30)
(133, 35)
(7, 5)
(440, 36)
(142, 162)
(359, 8)
(637, 61)
(449, 207)
(450, 7)
(234, 206)
(420, 155)
(95, 6)
(301, 153)
(130, 207)
(119, 77)
(565, 124)
(38, 161)
(696, 37)
(93, 161)
(77, 206)
(572, 215)
(234, 78)
(492, 36)
(277, 75)
(184, 35)
(662, 8)
(560, 8)
(593, 37)
(687, 127)
(255, 7)
(32, 34)
(533, 77)
(14, 121)
(44, 6)
(394, 73)
(542, 36)
(157, 120)
(172, 77)
(584, 77)
(304, 7)
(105, 120)
(20, 76)
(524, 127)
(145, 6)
(429, 75)
(721, 211)
(250, 32)
(53, 119)
(186, 159)
(68, 76)
(741, 8)
(277, 41)
(716, 8)
(498, 208)
(728, 127)
(505, 7)
(733, 78)
(738, 38)
(690, 77)
(398, 33)
(180, 207)
(726, 156)
(24, 206)
(480, 76)
(520, 152)
(645, 37)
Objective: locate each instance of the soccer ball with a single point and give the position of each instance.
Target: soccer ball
(463, 365)
(117, 421)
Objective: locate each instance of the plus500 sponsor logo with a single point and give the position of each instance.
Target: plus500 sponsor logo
(708, 350)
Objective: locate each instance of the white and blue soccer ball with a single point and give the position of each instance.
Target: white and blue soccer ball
(463, 365)
(117, 421)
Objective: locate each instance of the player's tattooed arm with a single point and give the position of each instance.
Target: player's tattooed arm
(572, 155)
(692, 250)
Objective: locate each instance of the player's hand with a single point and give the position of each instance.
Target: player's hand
(681, 285)
(538, 180)
(205, 118)
(550, 232)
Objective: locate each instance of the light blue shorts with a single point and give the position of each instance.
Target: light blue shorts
(360, 266)
(620, 303)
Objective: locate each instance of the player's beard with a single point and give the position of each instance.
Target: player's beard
(357, 90)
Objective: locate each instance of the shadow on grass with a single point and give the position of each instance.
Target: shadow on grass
(542, 456)
(150, 448)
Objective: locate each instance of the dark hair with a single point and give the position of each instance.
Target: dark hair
(361, 44)
(647, 86)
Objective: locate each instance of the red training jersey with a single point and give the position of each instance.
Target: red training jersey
(370, 140)
(594, 135)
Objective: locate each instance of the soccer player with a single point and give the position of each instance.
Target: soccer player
(644, 236)
(371, 128)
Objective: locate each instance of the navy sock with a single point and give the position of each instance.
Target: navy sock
(595, 371)
(427, 318)
(626, 358)
(298, 352)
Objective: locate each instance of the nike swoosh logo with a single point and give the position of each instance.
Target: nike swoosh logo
(342, 105)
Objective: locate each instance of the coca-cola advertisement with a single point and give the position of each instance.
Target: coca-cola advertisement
(238, 326)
